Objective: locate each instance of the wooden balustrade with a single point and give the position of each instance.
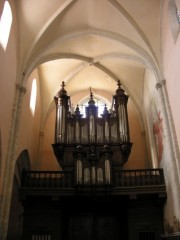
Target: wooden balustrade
(66, 179)
(47, 179)
(138, 177)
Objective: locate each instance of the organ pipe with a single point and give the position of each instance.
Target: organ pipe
(90, 130)
(120, 100)
(61, 101)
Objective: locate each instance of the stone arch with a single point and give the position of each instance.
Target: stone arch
(22, 162)
(16, 209)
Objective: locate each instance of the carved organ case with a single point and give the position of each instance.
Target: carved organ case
(92, 147)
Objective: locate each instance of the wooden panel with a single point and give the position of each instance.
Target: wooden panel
(80, 227)
(107, 227)
(93, 227)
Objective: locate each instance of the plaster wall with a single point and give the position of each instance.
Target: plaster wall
(29, 123)
(47, 159)
(138, 158)
(8, 72)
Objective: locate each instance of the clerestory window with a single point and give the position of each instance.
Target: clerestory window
(99, 102)
(5, 25)
(33, 96)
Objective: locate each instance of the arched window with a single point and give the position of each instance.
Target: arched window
(99, 102)
(33, 96)
(5, 25)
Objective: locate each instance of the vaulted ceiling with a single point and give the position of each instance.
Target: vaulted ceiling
(89, 43)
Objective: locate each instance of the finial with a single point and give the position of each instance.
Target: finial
(77, 112)
(62, 92)
(63, 85)
(119, 90)
(91, 101)
(105, 110)
(91, 94)
(119, 84)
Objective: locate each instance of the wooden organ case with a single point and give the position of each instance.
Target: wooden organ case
(91, 145)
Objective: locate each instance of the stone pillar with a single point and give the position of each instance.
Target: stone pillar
(169, 124)
(170, 162)
(10, 162)
(175, 147)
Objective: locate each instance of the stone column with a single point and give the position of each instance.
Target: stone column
(10, 161)
(170, 162)
(169, 124)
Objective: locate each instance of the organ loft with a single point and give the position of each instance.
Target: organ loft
(93, 197)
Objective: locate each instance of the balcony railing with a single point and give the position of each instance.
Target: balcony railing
(140, 177)
(66, 179)
(47, 179)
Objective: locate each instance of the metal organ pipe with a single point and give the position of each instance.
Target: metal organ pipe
(92, 128)
(106, 131)
(60, 122)
(77, 132)
(61, 110)
(107, 171)
(121, 102)
(79, 171)
(93, 174)
(122, 123)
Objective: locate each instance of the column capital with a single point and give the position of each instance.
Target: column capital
(21, 88)
(160, 84)
(41, 134)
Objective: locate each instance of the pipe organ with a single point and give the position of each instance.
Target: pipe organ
(93, 146)
(92, 196)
